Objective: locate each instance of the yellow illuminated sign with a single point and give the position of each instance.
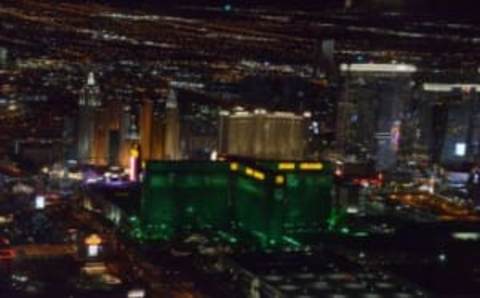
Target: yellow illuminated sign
(234, 166)
(286, 166)
(254, 173)
(259, 175)
(134, 152)
(93, 239)
(279, 179)
(311, 166)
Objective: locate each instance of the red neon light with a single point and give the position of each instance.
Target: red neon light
(7, 254)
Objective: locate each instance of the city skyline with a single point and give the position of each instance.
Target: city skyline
(243, 149)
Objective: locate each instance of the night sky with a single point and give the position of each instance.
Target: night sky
(421, 6)
(445, 9)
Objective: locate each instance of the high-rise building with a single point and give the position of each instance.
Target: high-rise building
(345, 110)
(113, 147)
(372, 112)
(172, 128)
(128, 135)
(454, 122)
(113, 113)
(268, 199)
(107, 125)
(462, 133)
(3, 57)
(262, 135)
(68, 136)
(89, 104)
(146, 126)
(100, 139)
(157, 151)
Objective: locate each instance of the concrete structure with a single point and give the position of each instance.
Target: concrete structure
(262, 135)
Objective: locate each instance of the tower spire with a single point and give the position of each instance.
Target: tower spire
(91, 79)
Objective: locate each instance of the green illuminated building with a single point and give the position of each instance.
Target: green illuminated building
(267, 200)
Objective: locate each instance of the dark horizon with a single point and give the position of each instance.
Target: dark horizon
(421, 6)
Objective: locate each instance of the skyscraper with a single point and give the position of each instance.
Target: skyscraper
(129, 135)
(455, 121)
(462, 134)
(89, 103)
(3, 57)
(111, 116)
(146, 126)
(372, 112)
(172, 128)
(157, 151)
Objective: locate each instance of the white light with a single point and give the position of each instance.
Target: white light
(442, 257)
(241, 113)
(260, 111)
(137, 293)
(6, 219)
(378, 67)
(466, 236)
(224, 113)
(214, 155)
(92, 251)
(75, 176)
(352, 210)
(91, 79)
(91, 180)
(39, 202)
(94, 268)
(460, 149)
(439, 87)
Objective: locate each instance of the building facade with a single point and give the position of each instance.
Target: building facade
(372, 113)
(262, 135)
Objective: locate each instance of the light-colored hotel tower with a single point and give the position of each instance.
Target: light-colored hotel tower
(262, 135)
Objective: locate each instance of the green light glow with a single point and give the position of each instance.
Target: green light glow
(361, 234)
(181, 196)
(292, 241)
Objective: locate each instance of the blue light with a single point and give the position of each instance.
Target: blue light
(227, 7)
